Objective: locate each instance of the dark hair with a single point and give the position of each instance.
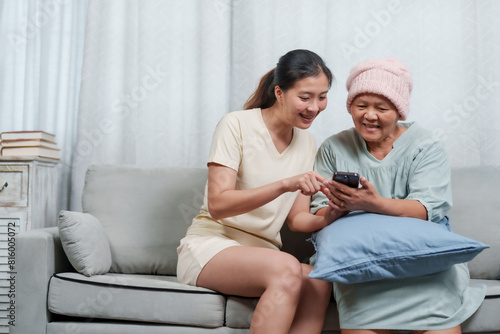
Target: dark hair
(291, 67)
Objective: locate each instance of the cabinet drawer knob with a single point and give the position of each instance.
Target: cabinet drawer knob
(4, 186)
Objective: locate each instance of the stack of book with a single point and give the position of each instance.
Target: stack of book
(29, 144)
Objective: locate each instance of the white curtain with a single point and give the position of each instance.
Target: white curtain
(155, 83)
(451, 47)
(158, 74)
(40, 72)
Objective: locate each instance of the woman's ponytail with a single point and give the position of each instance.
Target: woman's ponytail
(263, 97)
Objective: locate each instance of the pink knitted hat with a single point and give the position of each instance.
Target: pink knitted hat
(388, 77)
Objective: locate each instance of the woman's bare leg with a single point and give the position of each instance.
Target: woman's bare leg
(454, 330)
(314, 299)
(365, 331)
(274, 276)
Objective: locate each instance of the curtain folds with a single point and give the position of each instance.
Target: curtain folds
(40, 73)
(159, 74)
(156, 81)
(145, 82)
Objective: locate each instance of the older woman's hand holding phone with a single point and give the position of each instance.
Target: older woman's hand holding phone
(350, 192)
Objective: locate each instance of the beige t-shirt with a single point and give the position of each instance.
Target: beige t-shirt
(242, 142)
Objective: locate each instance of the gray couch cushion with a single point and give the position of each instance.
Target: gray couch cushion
(485, 319)
(475, 215)
(85, 242)
(492, 288)
(145, 298)
(145, 212)
(132, 328)
(240, 311)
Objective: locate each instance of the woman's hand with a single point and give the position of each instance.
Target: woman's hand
(225, 201)
(344, 198)
(308, 183)
(366, 198)
(331, 212)
(301, 220)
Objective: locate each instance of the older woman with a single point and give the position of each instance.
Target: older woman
(405, 173)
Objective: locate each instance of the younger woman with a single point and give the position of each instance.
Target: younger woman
(259, 175)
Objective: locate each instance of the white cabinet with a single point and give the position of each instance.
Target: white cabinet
(28, 200)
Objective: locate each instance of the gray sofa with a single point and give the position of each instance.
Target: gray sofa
(145, 212)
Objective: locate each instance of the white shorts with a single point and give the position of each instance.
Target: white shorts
(194, 253)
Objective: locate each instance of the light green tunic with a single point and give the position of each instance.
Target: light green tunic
(416, 168)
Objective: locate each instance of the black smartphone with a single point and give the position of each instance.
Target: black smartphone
(347, 178)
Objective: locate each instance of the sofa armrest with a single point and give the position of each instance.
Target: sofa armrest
(39, 255)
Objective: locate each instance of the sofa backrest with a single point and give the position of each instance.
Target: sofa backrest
(475, 214)
(145, 212)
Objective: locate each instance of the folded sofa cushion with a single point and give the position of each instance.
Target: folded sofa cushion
(364, 247)
(145, 212)
(85, 242)
(136, 298)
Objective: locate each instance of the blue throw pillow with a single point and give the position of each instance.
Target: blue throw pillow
(362, 247)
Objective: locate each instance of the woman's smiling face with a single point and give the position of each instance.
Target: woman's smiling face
(375, 118)
(305, 100)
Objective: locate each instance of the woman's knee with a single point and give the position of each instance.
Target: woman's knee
(287, 273)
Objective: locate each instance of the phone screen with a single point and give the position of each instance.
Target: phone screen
(348, 178)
